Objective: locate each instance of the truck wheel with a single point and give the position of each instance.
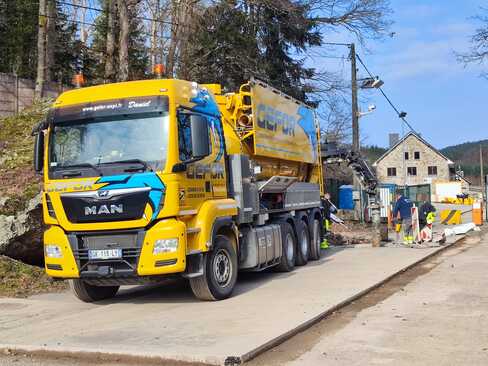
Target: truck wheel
(289, 244)
(90, 293)
(315, 240)
(219, 272)
(303, 243)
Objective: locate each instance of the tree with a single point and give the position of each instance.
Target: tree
(123, 7)
(478, 53)
(363, 18)
(18, 37)
(235, 40)
(118, 50)
(41, 49)
(110, 41)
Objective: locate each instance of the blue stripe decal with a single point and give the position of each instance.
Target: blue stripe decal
(140, 180)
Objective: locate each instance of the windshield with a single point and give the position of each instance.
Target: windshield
(103, 143)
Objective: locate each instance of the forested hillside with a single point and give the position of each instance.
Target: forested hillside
(467, 156)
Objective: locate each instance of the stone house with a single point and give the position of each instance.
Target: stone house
(412, 161)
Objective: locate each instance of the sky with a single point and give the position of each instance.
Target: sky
(445, 101)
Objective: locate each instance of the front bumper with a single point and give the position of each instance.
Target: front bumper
(137, 252)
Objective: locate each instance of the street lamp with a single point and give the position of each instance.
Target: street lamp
(371, 83)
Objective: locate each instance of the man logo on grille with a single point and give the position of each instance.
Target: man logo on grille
(103, 194)
(104, 210)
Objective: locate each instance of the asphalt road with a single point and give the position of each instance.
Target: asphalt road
(434, 314)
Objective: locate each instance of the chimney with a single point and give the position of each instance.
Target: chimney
(394, 137)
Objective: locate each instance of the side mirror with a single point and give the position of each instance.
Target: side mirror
(39, 152)
(200, 141)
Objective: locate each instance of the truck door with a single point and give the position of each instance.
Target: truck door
(205, 178)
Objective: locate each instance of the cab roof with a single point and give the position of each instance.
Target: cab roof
(120, 90)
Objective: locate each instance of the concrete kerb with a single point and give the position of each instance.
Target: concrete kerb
(97, 356)
(152, 359)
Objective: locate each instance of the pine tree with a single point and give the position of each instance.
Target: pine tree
(18, 37)
(236, 40)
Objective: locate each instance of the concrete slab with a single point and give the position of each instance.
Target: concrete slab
(168, 323)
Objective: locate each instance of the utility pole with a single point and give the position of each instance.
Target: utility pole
(482, 175)
(354, 101)
(355, 128)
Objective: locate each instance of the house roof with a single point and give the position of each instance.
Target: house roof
(411, 133)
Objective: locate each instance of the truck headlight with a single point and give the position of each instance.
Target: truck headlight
(165, 246)
(53, 251)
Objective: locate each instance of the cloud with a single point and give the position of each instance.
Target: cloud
(429, 53)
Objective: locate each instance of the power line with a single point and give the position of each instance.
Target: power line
(107, 11)
(93, 24)
(386, 97)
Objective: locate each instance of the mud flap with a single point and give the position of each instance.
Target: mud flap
(194, 266)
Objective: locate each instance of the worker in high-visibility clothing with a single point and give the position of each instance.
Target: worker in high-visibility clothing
(329, 208)
(426, 209)
(403, 207)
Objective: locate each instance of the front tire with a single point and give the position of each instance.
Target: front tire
(90, 293)
(219, 272)
(315, 239)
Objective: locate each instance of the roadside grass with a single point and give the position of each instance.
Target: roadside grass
(18, 279)
(18, 181)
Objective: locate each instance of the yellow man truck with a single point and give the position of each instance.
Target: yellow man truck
(150, 179)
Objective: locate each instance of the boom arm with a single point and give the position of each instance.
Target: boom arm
(332, 154)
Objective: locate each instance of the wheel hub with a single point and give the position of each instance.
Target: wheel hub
(222, 267)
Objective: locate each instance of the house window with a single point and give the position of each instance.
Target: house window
(391, 172)
(411, 170)
(416, 155)
(406, 155)
(432, 170)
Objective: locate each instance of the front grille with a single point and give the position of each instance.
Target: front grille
(129, 242)
(82, 208)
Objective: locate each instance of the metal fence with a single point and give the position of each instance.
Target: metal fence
(417, 194)
(17, 93)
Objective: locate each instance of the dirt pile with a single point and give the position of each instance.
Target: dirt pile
(355, 233)
(18, 279)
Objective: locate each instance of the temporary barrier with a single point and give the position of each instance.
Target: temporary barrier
(415, 224)
(478, 213)
(451, 217)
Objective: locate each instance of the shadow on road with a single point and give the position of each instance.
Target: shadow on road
(178, 291)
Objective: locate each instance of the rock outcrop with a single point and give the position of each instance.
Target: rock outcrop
(21, 234)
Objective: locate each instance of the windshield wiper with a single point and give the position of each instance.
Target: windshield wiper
(80, 165)
(144, 164)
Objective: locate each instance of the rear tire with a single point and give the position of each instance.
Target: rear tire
(315, 239)
(303, 243)
(289, 248)
(219, 272)
(90, 293)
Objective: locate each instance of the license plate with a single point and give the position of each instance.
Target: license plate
(104, 253)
